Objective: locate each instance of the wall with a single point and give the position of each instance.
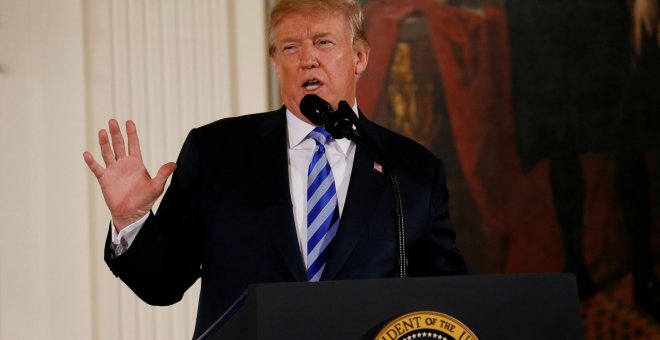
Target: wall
(66, 67)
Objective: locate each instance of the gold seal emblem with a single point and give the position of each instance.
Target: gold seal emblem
(425, 325)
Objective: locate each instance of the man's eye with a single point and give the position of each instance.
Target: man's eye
(288, 49)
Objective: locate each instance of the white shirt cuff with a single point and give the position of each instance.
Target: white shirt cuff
(123, 239)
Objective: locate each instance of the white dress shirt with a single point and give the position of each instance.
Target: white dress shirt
(300, 149)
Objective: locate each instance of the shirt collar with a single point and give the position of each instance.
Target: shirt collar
(297, 131)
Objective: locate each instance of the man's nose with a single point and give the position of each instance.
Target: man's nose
(308, 57)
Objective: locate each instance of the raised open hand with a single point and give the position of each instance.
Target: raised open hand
(128, 189)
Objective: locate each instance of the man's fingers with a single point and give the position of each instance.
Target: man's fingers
(106, 150)
(133, 140)
(164, 172)
(97, 170)
(117, 139)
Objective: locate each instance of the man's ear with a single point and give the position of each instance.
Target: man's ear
(361, 49)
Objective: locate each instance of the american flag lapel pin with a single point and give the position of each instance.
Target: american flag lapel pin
(378, 168)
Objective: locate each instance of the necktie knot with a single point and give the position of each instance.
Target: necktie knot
(320, 136)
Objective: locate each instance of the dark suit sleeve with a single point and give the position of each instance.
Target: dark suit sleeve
(435, 253)
(164, 259)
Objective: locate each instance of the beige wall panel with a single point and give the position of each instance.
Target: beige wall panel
(66, 67)
(45, 269)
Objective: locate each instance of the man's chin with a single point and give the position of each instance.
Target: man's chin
(292, 106)
(319, 92)
(332, 100)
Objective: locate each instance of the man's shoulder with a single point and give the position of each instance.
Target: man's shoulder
(395, 143)
(253, 120)
(239, 127)
(409, 157)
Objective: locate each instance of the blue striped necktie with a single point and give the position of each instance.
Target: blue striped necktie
(322, 210)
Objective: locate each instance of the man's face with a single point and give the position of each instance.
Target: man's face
(315, 54)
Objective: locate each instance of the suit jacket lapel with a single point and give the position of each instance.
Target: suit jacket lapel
(271, 165)
(365, 187)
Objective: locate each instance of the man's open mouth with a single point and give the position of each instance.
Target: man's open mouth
(312, 84)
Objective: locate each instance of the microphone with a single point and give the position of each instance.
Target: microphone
(343, 123)
(319, 112)
(315, 109)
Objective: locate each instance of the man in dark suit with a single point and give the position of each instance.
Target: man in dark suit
(236, 210)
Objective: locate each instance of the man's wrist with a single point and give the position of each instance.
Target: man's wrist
(120, 223)
(122, 240)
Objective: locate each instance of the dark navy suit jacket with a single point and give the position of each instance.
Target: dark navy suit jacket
(227, 217)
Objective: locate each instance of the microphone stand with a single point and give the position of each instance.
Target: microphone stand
(340, 125)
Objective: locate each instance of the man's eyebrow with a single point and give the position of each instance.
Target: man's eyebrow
(290, 38)
(321, 35)
(316, 35)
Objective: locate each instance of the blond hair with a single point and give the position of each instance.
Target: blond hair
(349, 8)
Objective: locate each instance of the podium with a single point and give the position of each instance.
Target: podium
(533, 306)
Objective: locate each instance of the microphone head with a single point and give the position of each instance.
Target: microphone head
(315, 109)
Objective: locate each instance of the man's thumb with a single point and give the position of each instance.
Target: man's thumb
(164, 172)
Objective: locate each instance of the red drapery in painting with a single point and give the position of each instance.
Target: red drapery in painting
(473, 57)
